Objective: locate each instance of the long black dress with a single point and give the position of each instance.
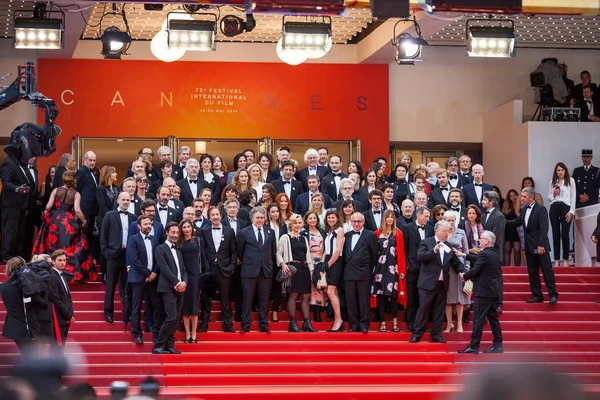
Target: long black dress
(301, 280)
(190, 251)
(61, 230)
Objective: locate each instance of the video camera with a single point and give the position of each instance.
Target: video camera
(550, 88)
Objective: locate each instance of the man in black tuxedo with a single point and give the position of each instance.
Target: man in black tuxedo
(256, 248)
(589, 105)
(534, 218)
(231, 220)
(148, 209)
(485, 273)
(179, 171)
(34, 210)
(61, 297)
(586, 80)
(360, 256)
(221, 254)
(436, 258)
(172, 282)
(473, 192)
(330, 184)
(455, 198)
(17, 186)
(407, 208)
(86, 186)
(587, 180)
(191, 186)
(414, 234)
(455, 179)
(232, 207)
(199, 221)
(465, 169)
(441, 194)
(113, 242)
(347, 190)
(494, 221)
(173, 202)
(143, 270)
(303, 202)
(287, 184)
(165, 213)
(374, 216)
(311, 158)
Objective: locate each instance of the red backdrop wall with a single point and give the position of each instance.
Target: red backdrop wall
(102, 98)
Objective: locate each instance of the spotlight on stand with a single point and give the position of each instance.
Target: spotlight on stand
(232, 25)
(491, 41)
(303, 40)
(114, 43)
(408, 47)
(39, 31)
(193, 35)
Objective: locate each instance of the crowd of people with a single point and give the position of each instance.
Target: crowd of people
(176, 233)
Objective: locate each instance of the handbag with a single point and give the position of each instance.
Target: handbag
(322, 283)
(468, 288)
(321, 269)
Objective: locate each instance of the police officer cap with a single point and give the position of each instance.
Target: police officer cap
(587, 152)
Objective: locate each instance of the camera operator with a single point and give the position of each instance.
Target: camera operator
(589, 106)
(21, 324)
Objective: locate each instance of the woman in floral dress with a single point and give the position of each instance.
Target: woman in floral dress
(315, 236)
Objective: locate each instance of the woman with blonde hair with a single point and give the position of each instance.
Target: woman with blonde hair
(241, 180)
(256, 181)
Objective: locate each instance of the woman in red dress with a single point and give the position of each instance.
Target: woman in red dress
(62, 228)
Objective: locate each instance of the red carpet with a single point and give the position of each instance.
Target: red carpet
(339, 365)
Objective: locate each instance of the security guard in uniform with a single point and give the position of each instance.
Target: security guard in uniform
(587, 180)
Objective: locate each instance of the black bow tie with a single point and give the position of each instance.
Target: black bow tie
(286, 182)
(232, 220)
(334, 174)
(30, 167)
(123, 212)
(194, 182)
(478, 184)
(443, 188)
(146, 237)
(163, 208)
(172, 246)
(455, 209)
(355, 233)
(216, 229)
(488, 212)
(466, 174)
(376, 212)
(454, 177)
(421, 226)
(588, 101)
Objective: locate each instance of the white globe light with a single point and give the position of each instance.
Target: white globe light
(411, 50)
(289, 56)
(116, 46)
(159, 48)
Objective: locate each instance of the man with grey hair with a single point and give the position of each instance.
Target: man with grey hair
(86, 186)
(485, 273)
(436, 259)
(311, 158)
(183, 155)
(493, 220)
(454, 178)
(191, 186)
(473, 192)
(164, 153)
(66, 163)
(534, 218)
(256, 249)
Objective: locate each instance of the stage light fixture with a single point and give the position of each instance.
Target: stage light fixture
(114, 43)
(34, 33)
(193, 35)
(232, 25)
(304, 40)
(408, 48)
(491, 41)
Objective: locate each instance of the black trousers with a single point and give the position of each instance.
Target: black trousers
(382, 302)
(138, 294)
(501, 289)
(173, 303)
(158, 308)
(64, 333)
(535, 262)
(560, 230)
(412, 297)
(13, 231)
(223, 284)
(431, 302)
(260, 285)
(358, 305)
(236, 292)
(485, 307)
(92, 235)
(116, 274)
(276, 293)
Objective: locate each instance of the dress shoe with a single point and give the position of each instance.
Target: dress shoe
(469, 350)
(494, 349)
(340, 329)
(229, 329)
(138, 340)
(109, 319)
(202, 328)
(553, 299)
(364, 330)
(414, 339)
(438, 339)
(245, 329)
(159, 350)
(264, 329)
(171, 350)
(535, 300)
(499, 310)
(354, 328)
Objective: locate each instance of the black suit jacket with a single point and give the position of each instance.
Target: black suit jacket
(359, 263)
(86, 186)
(105, 202)
(112, 232)
(536, 231)
(167, 279)
(273, 175)
(172, 215)
(241, 224)
(58, 181)
(437, 197)
(137, 258)
(496, 223)
(198, 229)
(61, 298)
(328, 186)
(302, 204)
(585, 112)
(187, 197)
(431, 266)
(370, 223)
(361, 196)
(465, 178)
(223, 261)
(294, 192)
(137, 202)
(470, 196)
(485, 272)
(215, 186)
(15, 327)
(12, 177)
(302, 176)
(401, 222)
(412, 240)
(177, 172)
(253, 257)
(460, 182)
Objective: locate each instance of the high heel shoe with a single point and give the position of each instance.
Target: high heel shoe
(395, 328)
(339, 329)
(449, 328)
(293, 326)
(459, 329)
(307, 327)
